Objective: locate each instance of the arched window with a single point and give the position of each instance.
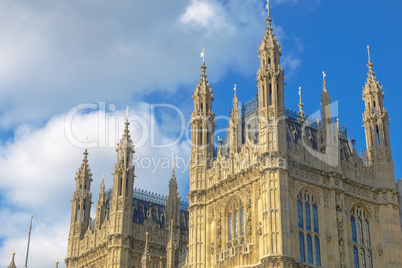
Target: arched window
(235, 221)
(362, 250)
(307, 222)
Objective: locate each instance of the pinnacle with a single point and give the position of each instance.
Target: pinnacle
(12, 263)
(235, 96)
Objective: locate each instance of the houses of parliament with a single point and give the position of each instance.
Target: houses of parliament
(282, 190)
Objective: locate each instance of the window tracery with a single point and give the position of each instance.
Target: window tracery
(235, 222)
(308, 225)
(360, 226)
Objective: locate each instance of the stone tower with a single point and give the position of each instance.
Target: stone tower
(270, 78)
(80, 207)
(288, 191)
(376, 126)
(202, 152)
(121, 208)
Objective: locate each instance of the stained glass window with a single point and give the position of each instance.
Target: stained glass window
(230, 226)
(299, 214)
(301, 247)
(309, 241)
(317, 251)
(242, 221)
(309, 249)
(315, 218)
(362, 251)
(308, 218)
(356, 257)
(236, 224)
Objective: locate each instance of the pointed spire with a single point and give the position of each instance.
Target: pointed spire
(268, 19)
(102, 186)
(370, 66)
(125, 146)
(145, 260)
(57, 263)
(12, 263)
(84, 171)
(174, 171)
(235, 96)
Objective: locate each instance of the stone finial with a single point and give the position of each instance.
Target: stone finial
(301, 112)
(12, 263)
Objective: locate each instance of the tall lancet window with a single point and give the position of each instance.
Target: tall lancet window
(360, 226)
(235, 221)
(308, 225)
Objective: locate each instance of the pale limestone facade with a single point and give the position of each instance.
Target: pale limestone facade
(285, 192)
(281, 191)
(129, 230)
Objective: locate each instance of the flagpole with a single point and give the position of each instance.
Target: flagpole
(29, 239)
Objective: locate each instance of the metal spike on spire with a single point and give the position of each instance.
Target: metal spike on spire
(267, 6)
(300, 101)
(203, 55)
(324, 83)
(370, 64)
(301, 112)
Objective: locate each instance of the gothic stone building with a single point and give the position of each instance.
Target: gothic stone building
(287, 191)
(132, 228)
(281, 191)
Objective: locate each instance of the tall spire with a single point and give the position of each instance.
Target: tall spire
(146, 259)
(270, 78)
(101, 206)
(172, 202)
(376, 125)
(12, 263)
(326, 115)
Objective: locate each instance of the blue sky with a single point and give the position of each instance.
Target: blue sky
(55, 55)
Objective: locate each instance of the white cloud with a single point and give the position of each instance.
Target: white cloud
(57, 54)
(210, 16)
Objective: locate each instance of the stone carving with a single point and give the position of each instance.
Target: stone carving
(341, 240)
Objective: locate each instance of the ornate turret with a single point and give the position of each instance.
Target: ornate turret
(326, 114)
(234, 125)
(80, 207)
(202, 130)
(121, 208)
(376, 125)
(172, 210)
(12, 263)
(270, 78)
(100, 207)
